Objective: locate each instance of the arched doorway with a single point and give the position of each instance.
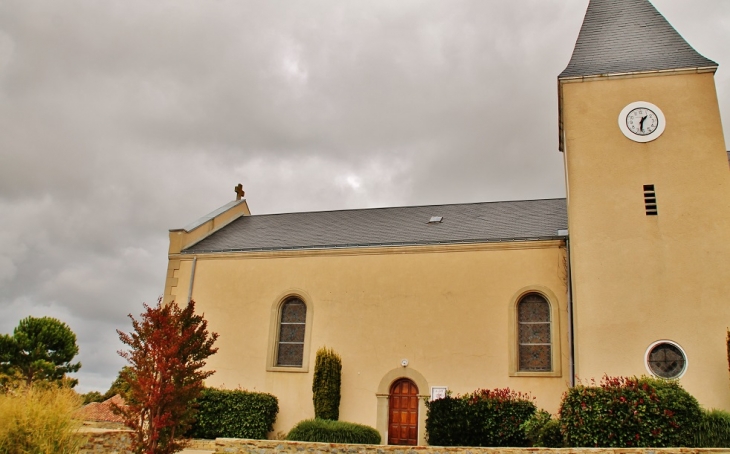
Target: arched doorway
(403, 413)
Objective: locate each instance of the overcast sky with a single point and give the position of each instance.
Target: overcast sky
(122, 119)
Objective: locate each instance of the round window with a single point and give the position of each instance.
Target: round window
(666, 359)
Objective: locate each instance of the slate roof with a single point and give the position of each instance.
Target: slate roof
(625, 36)
(462, 223)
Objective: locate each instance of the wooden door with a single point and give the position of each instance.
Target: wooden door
(403, 413)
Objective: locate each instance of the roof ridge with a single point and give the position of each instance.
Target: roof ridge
(629, 36)
(404, 206)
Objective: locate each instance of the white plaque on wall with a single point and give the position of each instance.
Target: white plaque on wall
(438, 392)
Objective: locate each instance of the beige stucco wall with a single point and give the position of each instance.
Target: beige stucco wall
(444, 308)
(637, 278)
(182, 238)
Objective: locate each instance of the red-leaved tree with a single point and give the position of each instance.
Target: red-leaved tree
(167, 351)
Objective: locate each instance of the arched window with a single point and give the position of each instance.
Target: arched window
(534, 334)
(292, 327)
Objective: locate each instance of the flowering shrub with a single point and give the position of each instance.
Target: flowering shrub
(629, 412)
(482, 418)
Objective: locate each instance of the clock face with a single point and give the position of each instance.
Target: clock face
(641, 121)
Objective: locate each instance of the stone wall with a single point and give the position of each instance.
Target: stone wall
(107, 442)
(231, 445)
(117, 442)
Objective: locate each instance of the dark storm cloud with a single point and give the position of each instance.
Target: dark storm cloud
(122, 119)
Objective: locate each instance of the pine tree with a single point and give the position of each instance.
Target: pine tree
(40, 349)
(326, 384)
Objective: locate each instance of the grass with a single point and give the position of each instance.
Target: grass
(39, 420)
(714, 430)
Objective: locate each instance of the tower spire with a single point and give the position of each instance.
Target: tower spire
(629, 36)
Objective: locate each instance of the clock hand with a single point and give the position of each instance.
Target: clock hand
(641, 123)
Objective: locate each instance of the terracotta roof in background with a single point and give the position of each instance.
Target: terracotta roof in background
(101, 411)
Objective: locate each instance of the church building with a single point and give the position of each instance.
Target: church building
(628, 275)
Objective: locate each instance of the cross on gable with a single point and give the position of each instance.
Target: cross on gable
(239, 191)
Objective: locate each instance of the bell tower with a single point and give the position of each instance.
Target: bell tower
(648, 189)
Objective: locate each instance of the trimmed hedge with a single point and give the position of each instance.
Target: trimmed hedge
(327, 431)
(629, 412)
(714, 430)
(482, 418)
(234, 414)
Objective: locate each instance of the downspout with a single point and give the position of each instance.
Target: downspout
(192, 278)
(562, 146)
(571, 342)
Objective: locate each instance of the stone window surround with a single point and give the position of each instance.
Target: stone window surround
(275, 318)
(513, 333)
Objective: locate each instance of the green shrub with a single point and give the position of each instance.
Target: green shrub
(543, 431)
(234, 414)
(39, 419)
(714, 430)
(551, 435)
(326, 384)
(629, 412)
(327, 431)
(534, 425)
(482, 418)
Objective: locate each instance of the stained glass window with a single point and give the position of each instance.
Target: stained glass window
(292, 325)
(534, 334)
(666, 360)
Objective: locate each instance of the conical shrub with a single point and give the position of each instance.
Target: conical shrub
(326, 384)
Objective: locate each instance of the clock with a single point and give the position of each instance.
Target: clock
(642, 121)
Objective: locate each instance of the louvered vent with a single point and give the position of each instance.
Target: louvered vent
(650, 200)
